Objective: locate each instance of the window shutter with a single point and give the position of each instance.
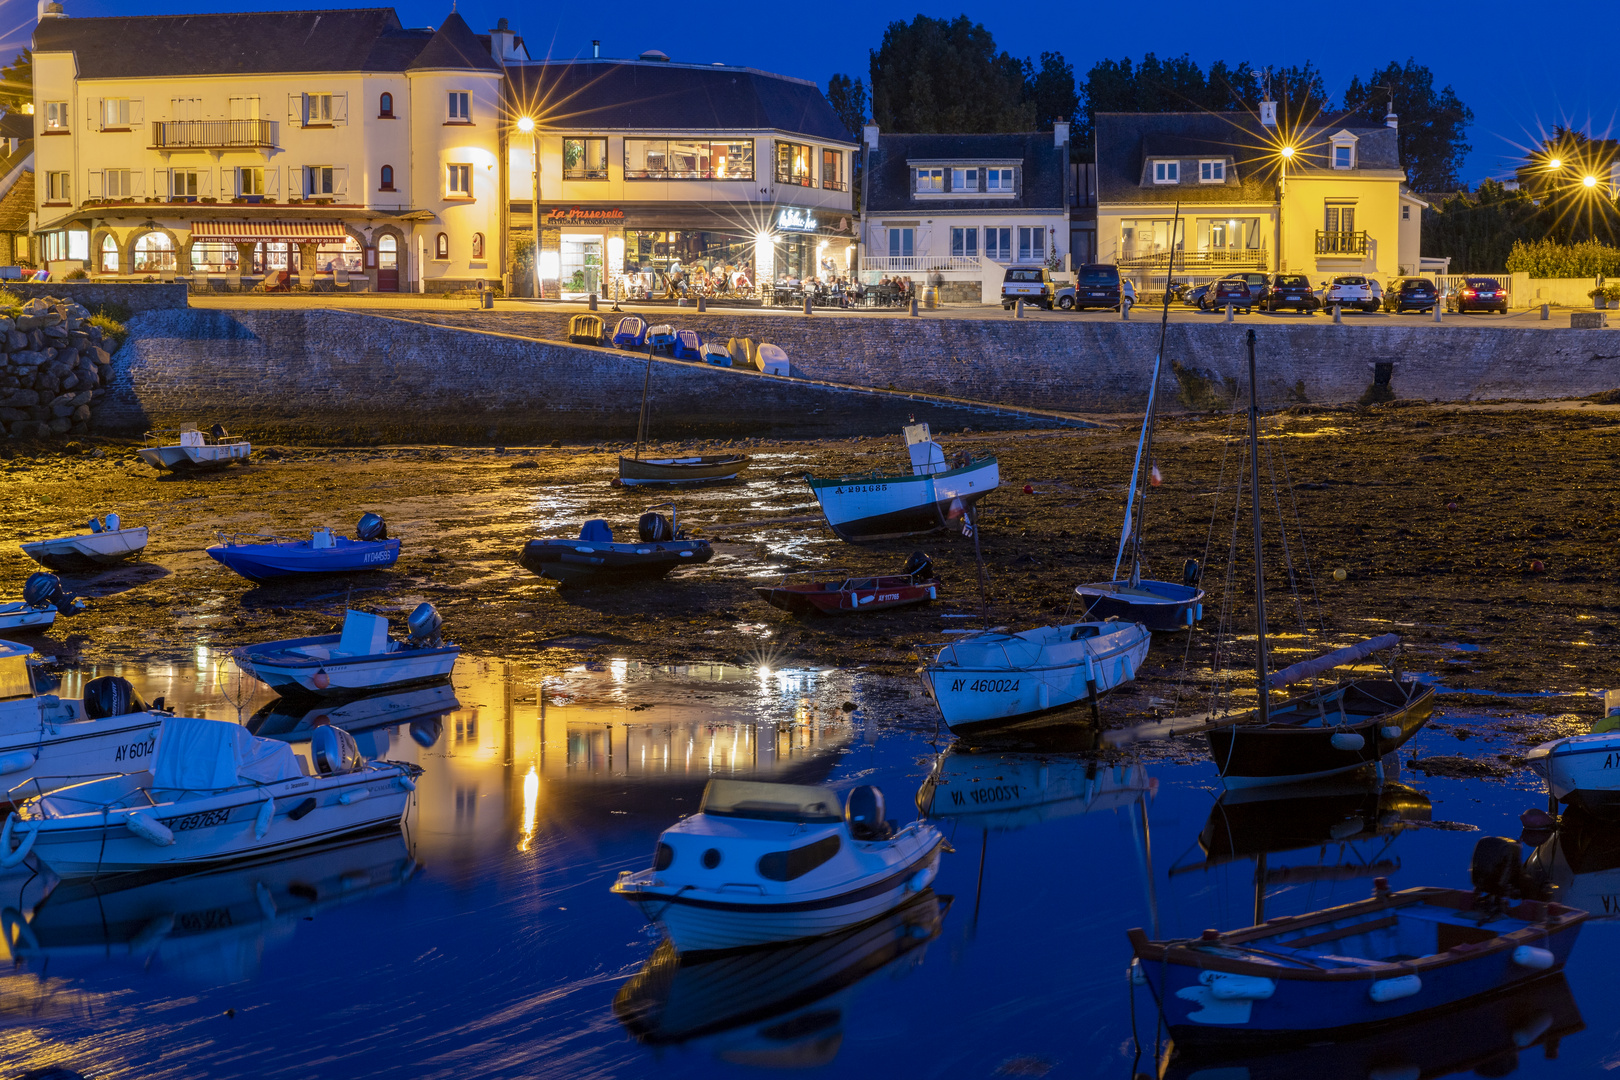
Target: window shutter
(272, 182)
(92, 120)
(297, 181)
(295, 108)
(137, 111)
(160, 183)
(94, 190)
(340, 108)
(205, 182)
(137, 183)
(228, 187)
(340, 181)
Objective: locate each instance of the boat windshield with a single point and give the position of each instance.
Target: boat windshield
(14, 681)
(770, 802)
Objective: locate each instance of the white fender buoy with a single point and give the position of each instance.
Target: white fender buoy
(1390, 731)
(149, 828)
(1045, 695)
(1535, 959)
(267, 814)
(1347, 740)
(8, 857)
(1224, 987)
(17, 930)
(353, 795)
(1347, 828)
(18, 761)
(1402, 986)
(917, 882)
(406, 782)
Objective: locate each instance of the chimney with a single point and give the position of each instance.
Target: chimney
(502, 42)
(50, 9)
(1268, 114)
(869, 135)
(596, 49)
(1060, 132)
(1391, 120)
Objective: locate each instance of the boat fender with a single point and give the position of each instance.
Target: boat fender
(917, 882)
(321, 679)
(17, 931)
(151, 935)
(1090, 674)
(1528, 956)
(1402, 986)
(18, 761)
(8, 857)
(1526, 1034)
(353, 795)
(1225, 987)
(297, 813)
(406, 782)
(1135, 974)
(150, 829)
(933, 593)
(1348, 740)
(267, 814)
(1390, 731)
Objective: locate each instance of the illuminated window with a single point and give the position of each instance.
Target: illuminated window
(56, 116)
(109, 255)
(478, 245)
(441, 247)
(460, 108)
(458, 181)
(930, 180)
(154, 251)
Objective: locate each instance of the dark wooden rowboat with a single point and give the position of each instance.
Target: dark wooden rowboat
(850, 595)
(681, 470)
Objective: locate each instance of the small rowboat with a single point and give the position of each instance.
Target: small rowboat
(323, 553)
(882, 507)
(1157, 605)
(1358, 967)
(712, 352)
(104, 545)
(1580, 769)
(360, 660)
(194, 452)
(681, 470)
(596, 556)
(844, 596)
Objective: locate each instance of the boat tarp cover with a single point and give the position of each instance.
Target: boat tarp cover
(203, 755)
(1348, 655)
(777, 802)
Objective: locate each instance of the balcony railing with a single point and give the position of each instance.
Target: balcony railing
(796, 179)
(833, 185)
(1196, 261)
(582, 172)
(212, 134)
(918, 264)
(1341, 243)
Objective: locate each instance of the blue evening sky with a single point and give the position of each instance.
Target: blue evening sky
(1520, 73)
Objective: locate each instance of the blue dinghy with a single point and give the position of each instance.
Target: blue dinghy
(1362, 966)
(631, 332)
(323, 553)
(688, 345)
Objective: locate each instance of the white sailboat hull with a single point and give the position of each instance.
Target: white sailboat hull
(884, 507)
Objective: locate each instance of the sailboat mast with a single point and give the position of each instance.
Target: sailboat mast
(641, 425)
(1259, 565)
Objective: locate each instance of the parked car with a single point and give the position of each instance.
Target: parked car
(1481, 294)
(1095, 285)
(1031, 284)
(1411, 294)
(1352, 291)
(1216, 299)
(1288, 290)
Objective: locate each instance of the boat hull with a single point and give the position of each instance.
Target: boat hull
(262, 562)
(862, 508)
(285, 671)
(826, 598)
(692, 470)
(980, 698)
(1161, 606)
(577, 561)
(1276, 753)
(195, 458)
(1581, 771)
(294, 719)
(57, 750)
(91, 551)
(19, 616)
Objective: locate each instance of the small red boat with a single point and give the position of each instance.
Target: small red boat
(843, 596)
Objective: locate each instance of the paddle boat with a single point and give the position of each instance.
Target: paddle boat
(712, 352)
(631, 333)
(1359, 966)
(360, 660)
(1581, 769)
(762, 863)
(996, 681)
(194, 451)
(323, 553)
(661, 339)
(880, 506)
(688, 345)
(661, 546)
(47, 742)
(916, 584)
(107, 543)
(295, 719)
(214, 793)
(1016, 790)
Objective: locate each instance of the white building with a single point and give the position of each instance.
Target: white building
(309, 141)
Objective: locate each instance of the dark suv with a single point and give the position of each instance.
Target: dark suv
(1095, 285)
(1410, 294)
(1288, 290)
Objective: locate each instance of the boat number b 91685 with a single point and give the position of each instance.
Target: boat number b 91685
(985, 686)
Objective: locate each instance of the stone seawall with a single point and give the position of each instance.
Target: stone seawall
(137, 296)
(331, 376)
(1090, 366)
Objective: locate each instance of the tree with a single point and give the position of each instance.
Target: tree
(1051, 89)
(17, 82)
(1477, 232)
(847, 97)
(1432, 123)
(930, 75)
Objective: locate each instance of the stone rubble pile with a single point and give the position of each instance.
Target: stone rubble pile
(54, 368)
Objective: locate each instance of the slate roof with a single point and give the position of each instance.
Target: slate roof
(17, 204)
(1126, 141)
(643, 95)
(889, 177)
(258, 42)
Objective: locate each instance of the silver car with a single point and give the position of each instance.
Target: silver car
(1352, 291)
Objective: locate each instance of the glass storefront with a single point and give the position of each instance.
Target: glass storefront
(581, 265)
(668, 251)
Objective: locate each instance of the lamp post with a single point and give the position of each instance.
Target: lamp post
(527, 126)
(1287, 155)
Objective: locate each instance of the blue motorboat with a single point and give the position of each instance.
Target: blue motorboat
(688, 345)
(325, 552)
(631, 332)
(1363, 966)
(661, 546)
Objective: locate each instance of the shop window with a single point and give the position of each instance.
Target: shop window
(458, 181)
(902, 243)
(478, 245)
(793, 164)
(1032, 244)
(998, 244)
(213, 256)
(731, 160)
(965, 243)
(999, 180)
(56, 116)
(387, 252)
(460, 107)
(929, 180)
(964, 179)
(1166, 172)
(385, 107)
(109, 255)
(441, 247)
(685, 159)
(832, 170)
(387, 177)
(154, 251)
(331, 254)
(585, 159)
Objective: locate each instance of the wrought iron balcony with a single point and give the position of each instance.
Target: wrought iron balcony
(1222, 260)
(212, 134)
(1341, 243)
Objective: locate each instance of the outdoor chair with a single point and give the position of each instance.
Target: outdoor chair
(233, 281)
(166, 276)
(340, 278)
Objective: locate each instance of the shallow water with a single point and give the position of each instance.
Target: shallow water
(481, 941)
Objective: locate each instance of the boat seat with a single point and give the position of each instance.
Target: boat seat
(596, 531)
(363, 635)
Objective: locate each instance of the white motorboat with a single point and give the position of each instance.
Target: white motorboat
(43, 600)
(360, 660)
(996, 680)
(761, 863)
(194, 450)
(215, 793)
(1584, 770)
(47, 743)
(1012, 790)
(878, 506)
(21, 615)
(106, 544)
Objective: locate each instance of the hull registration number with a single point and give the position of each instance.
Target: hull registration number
(984, 686)
(200, 820)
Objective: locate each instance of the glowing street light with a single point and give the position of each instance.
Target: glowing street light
(527, 125)
(1555, 163)
(1589, 180)
(1287, 152)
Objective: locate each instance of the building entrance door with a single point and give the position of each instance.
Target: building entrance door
(387, 263)
(581, 265)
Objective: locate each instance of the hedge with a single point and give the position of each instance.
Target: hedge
(1546, 259)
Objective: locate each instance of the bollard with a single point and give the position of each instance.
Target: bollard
(1018, 309)
(1124, 311)
(807, 305)
(593, 301)
(703, 305)
(1546, 312)
(1437, 309)
(913, 306)
(1338, 310)
(680, 301)
(1229, 310)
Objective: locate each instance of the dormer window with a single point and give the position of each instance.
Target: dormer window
(1212, 172)
(930, 179)
(1167, 172)
(999, 180)
(1343, 151)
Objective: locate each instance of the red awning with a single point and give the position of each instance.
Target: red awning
(252, 232)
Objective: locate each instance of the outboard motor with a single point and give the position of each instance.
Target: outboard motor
(335, 751)
(42, 590)
(218, 432)
(111, 695)
(1496, 870)
(1191, 573)
(424, 623)
(426, 732)
(654, 527)
(919, 567)
(863, 813)
(371, 527)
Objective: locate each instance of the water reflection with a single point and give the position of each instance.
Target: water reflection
(1581, 861)
(1002, 790)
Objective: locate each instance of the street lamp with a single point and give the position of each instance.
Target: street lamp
(1589, 180)
(1555, 163)
(527, 125)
